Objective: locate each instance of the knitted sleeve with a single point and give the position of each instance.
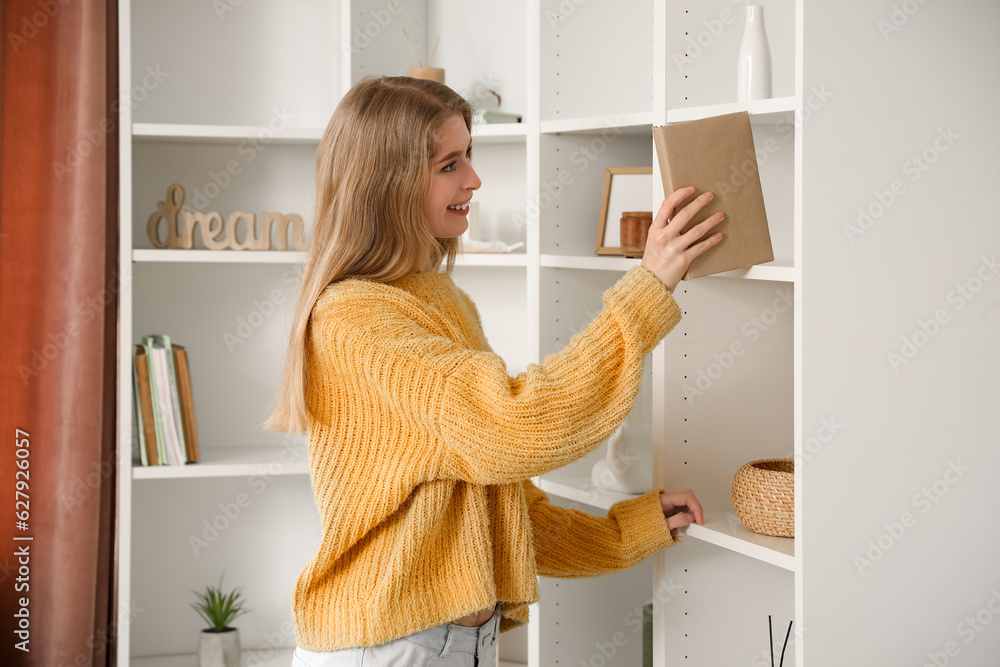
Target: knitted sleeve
(572, 543)
(454, 413)
(495, 429)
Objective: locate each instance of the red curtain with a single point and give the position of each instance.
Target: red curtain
(58, 331)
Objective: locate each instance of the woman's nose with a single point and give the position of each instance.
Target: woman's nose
(473, 182)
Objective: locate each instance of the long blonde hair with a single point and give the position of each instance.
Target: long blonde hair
(372, 174)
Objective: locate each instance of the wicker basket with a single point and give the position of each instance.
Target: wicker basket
(764, 496)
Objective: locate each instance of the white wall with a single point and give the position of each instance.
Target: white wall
(926, 88)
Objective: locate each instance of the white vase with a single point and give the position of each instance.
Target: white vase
(219, 649)
(619, 470)
(753, 79)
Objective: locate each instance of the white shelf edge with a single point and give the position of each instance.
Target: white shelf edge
(491, 259)
(639, 122)
(777, 271)
(219, 256)
(296, 257)
(224, 133)
(581, 490)
(724, 529)
(598, 263)
(500, 133)
(233, 462)
(770, 111)
(781, 270)
(261, 657)
(487, 133)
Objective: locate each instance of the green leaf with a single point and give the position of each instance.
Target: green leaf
(219, 609)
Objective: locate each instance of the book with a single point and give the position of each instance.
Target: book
(145, 422)
(138, 438)
(489, 117)
(187, 403)
(717, 154)
(155, 402)
(166, 401)
(168, 426)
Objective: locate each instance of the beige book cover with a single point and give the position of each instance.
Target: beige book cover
(717, 154)
(187, 403)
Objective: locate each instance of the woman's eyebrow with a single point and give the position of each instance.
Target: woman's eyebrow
(455, 154)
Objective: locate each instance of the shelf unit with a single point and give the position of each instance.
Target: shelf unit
(689, 445)
(545, 60)
(248, 143)
(591, 79)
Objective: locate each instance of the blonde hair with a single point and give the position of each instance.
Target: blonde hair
(372, 175)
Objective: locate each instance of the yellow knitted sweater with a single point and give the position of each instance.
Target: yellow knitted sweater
(421, 448)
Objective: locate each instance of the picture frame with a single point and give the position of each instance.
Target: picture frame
(625, 189)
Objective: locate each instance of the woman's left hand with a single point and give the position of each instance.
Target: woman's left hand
(681, 508)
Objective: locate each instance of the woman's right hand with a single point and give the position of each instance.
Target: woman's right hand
(668, 253)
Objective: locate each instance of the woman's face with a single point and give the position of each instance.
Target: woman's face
(452, 181)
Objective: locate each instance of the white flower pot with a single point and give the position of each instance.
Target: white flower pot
(219, 649)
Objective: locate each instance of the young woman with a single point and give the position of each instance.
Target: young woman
(421, 447)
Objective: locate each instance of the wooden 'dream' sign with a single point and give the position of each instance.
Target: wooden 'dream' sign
(212, 226)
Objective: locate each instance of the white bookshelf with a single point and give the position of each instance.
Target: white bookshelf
(254, 100)
(690, 446)
(590, 79)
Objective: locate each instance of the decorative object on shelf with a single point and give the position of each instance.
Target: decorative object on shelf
(634, 228)
(182, 235)
(764, 496)
(219, 644)
(625, 189)
(770, 641)
(486, 102)
(431, 73)
(618, 471)
(753, 79)
(420, 72)
(718, 153)
(489, 99)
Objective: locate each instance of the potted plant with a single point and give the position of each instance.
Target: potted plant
(219, 644)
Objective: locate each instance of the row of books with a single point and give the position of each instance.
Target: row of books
(164, 409)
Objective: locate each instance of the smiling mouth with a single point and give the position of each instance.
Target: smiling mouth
(460, 207)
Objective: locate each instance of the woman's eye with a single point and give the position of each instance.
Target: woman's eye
(450, 166)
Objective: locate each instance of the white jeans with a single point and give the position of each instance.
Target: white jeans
(445, 645)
